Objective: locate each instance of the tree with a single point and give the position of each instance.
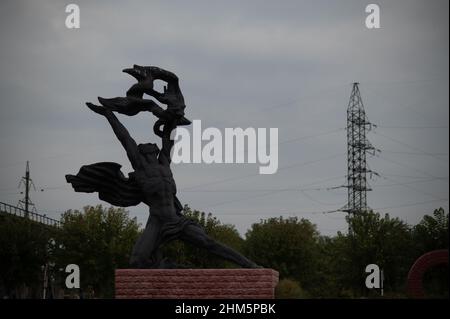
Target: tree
(186, 255)
(98, 240)
(287, 245)
(432, 232)
(331, 266)
(373, 239)
(24, 250)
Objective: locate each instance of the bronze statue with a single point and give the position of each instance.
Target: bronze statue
(152, 181)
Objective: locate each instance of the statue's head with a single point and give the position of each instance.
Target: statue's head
(148, 149)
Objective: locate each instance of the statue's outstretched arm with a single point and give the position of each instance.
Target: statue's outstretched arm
(167, 143)
(122, 134)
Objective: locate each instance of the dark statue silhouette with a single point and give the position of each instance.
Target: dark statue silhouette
(151, 182)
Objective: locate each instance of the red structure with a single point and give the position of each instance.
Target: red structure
(196, 283)
(421, 265)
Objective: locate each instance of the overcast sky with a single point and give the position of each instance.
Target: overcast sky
(284, 64)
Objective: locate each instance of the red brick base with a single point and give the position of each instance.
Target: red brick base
(196, 283)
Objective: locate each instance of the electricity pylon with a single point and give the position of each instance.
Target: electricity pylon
(357, 147)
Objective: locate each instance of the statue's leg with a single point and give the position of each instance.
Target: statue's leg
(146, 246)
(196, 236)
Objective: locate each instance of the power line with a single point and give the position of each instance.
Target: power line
(407, 166)
(274, 214)
(391, 83)
(407, 185)
(413, 127)
(243, 199)
(266, 195)
(292, 102)
(257, 174)
(63, 187)
(414, 204)
(234, 190)
(303, 187)
(316, 200)
(341, 210)
(269, 193)
(410, 146)
(311, 136)
(414, 153)
(280, 105)
(412, 182)
(397, 206)
(258, 190)
(414, 177)
(7, 189)
(49, 157)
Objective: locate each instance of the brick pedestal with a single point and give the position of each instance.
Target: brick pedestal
(196, 283)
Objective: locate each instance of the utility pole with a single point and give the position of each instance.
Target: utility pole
(357, 147)
(28, 182)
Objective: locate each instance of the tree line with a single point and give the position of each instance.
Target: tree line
(99, 240)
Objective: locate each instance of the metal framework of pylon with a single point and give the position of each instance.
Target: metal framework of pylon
(26, 202)
(357, 148)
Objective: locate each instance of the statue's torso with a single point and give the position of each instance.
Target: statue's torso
(159, 188)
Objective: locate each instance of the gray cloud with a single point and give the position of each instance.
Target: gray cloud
(287, 65)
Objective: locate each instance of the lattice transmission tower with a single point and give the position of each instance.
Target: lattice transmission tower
(26, 202)
(358, 146)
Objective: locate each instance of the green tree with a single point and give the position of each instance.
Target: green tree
(287, 245)
(331, 262)
(98, 240)
(24, 250)
(373, 239)
(432, 232)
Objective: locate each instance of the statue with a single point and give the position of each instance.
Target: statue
(151, 182)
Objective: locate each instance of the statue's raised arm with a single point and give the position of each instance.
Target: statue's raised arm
(128, 143)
